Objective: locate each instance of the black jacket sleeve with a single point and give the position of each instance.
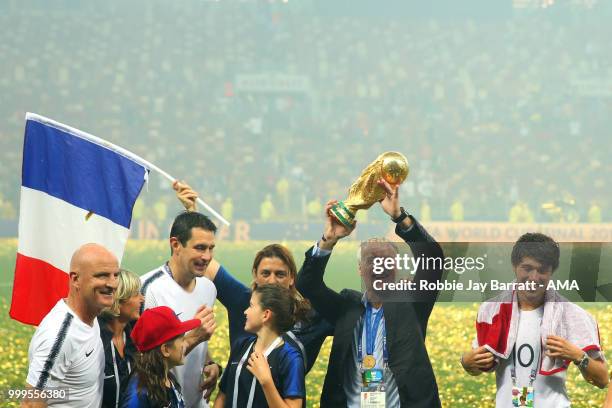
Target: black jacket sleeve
(423, 245)
(327, 302)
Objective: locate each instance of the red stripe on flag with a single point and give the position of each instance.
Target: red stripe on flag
(495, 334)
(36, 289)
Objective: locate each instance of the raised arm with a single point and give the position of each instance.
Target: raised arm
(310, 284)
(186, 195)
(422, 245)
(235, 296)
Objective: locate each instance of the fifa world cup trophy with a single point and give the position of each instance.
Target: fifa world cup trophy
(365, 191)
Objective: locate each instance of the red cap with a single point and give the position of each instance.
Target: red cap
(158, 325)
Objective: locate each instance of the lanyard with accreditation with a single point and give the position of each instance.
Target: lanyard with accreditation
(116, 369)
(524, 396)
(272, 346)
(373, 390)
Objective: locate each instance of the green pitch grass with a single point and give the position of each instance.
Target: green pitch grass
(450, 331)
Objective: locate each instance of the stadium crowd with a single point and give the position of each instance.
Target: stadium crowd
(489, 113)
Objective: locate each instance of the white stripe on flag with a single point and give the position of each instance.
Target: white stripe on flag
(55, 229)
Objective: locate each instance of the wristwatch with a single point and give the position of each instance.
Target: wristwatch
(401, 217)
(583, 362)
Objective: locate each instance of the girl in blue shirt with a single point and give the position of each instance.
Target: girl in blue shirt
(265, 371)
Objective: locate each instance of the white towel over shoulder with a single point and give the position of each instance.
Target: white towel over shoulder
(497, 327)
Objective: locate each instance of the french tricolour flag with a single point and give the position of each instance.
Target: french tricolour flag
(73, 191)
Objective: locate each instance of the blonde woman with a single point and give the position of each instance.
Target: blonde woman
(116, 324)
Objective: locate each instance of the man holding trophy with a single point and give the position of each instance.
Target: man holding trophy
(378, 356)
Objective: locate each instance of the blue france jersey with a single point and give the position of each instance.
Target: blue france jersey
(287, 368)
(235, 296)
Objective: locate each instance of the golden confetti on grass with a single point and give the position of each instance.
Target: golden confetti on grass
(450, 332)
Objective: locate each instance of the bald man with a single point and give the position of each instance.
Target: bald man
(66, 350)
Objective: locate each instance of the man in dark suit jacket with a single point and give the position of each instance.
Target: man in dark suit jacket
(400, 342)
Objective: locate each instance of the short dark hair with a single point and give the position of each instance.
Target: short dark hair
(185, 221)
(538, 246)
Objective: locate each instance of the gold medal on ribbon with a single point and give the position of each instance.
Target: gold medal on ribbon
(369, 362)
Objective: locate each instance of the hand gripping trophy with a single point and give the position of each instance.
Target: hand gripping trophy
(391, 166)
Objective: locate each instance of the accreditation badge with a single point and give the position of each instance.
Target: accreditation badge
(373, 391)
(373, 399)
(522, 396)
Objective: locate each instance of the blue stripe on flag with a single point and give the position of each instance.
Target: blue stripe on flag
(80, 172)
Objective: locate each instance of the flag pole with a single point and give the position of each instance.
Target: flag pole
(118, 150)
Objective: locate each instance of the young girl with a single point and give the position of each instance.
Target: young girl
(265, 371)
(158, 336)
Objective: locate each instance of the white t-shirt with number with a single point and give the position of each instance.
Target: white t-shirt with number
(67, 353)
(549, 390)
(161, 290)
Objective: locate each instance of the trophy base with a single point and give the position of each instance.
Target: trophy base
(345, 216)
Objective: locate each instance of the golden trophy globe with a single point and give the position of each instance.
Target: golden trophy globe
(365, 191)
